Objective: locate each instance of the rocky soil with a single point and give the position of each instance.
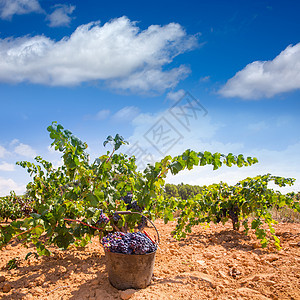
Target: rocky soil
(211, 263)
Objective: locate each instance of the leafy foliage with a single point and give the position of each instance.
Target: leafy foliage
(248, 198)
(68, 201)
(184, 191)
(13, 207)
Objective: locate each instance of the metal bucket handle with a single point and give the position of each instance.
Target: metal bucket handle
(135, 212)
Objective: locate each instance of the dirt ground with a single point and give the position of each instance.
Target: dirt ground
(211, 263)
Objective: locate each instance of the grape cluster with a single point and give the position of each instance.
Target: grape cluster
(14, 207)
(136, 207)
(103, 218)
(128, 243)
(142, 224)
(128, 198)
(25, 206)
(116, 217)
(131, 205)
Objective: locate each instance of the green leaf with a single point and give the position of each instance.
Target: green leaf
(92, 200)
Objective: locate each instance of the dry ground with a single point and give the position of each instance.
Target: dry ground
(212, 263)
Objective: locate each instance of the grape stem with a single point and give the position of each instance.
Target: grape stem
(26, 231)
(77, 221)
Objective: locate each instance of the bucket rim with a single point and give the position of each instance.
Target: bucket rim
(150, 253)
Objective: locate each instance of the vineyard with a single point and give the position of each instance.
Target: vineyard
(76, 206)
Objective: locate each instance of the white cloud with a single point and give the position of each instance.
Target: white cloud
(203, 136)
(8, 8)
(152, 79)
(4, 166)
(7, 185)
(61, 15)
(100, 115)
(14, 142)
(204, 79)
(118, 52)
(159, 133)
(258, 126)
(266, 78)
(25, 150)
(2, 152)
(127, 113)
(175, 96)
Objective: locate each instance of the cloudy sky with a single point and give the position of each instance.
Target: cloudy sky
(222, 76)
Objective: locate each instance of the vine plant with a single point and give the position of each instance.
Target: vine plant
(76, 194)
(248, 199)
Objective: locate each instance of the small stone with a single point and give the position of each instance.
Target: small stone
(234, 272)
(270, 282)
(222, 274)
(220, 287)
(209, 255)
(174, 251)
(154, 278)
(127, 294)
(208, 279)
(272, 258)
(6, 288)
(201, 262)
(256, 245)
(295, 244)
(2, 278)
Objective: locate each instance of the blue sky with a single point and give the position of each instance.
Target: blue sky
(101, 68)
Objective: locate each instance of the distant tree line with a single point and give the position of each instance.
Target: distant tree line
(183, 191)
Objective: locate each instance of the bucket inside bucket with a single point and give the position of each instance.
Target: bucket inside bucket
(127, 271)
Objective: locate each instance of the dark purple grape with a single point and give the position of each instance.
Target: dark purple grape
(116, 217)
(103, 219)
(136, 207)
(128, 243)
(142, 224)
(128, 198)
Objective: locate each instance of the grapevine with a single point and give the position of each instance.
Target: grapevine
(81, 192)
(249, 201)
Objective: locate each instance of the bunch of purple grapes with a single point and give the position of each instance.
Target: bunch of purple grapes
(128, 243)
(103, 218)
(142, 224)
(128, 198)
(131, 204)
